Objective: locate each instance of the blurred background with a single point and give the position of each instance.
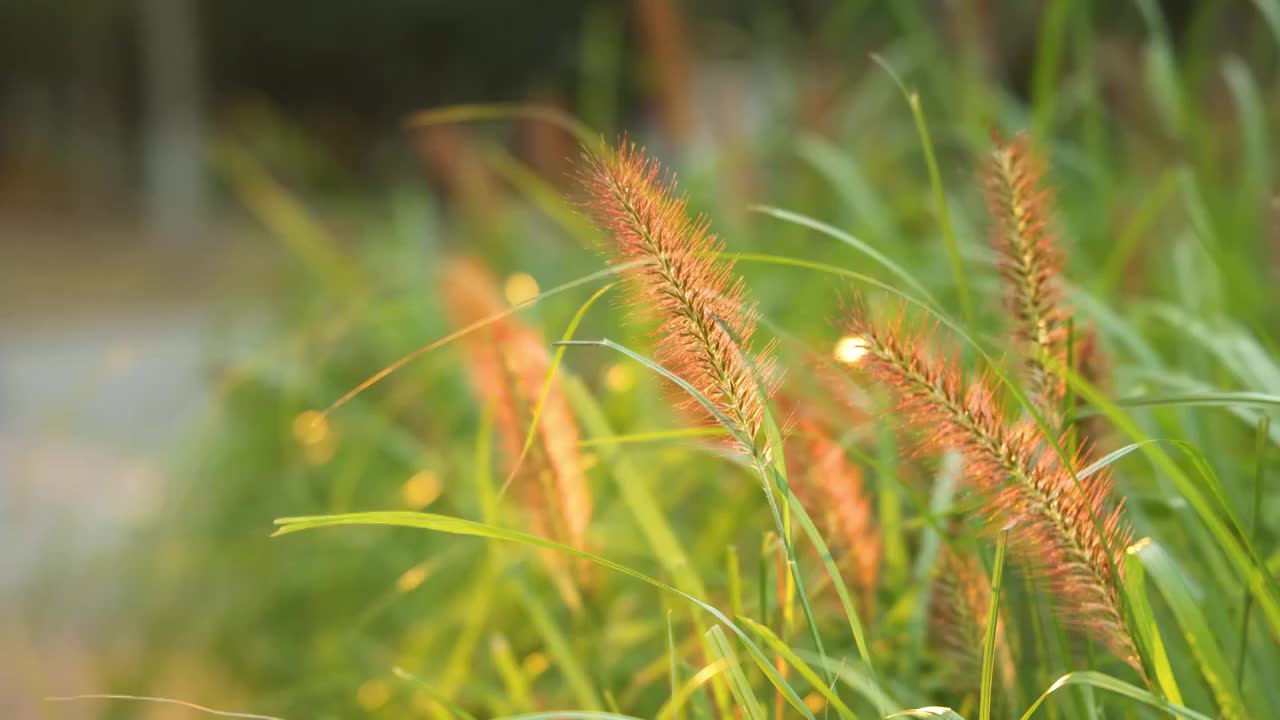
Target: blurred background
(215, 216)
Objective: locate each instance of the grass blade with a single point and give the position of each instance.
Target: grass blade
(929, 712)
(1101, 681)
(737, 679)
(939, 193)
(1195, 628)
(993, 618)
(772, 640)
(470, 528)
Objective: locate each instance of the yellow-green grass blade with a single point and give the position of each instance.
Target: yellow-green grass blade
(670, 711)
(559, 648)
(439, 696)
(1195, 628)
(772, 640)
(939, 192)
(831, 231)
(1135, 584)
(1101, 681)
(470, 528)
(932, 711)
(746, 698)
(556, 359)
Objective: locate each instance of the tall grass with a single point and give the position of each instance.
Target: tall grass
(1097, 374)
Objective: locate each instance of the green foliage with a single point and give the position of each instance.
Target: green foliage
(704, 600)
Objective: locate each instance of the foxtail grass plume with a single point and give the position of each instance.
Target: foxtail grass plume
(706, 331)
(509, 364)
(824, 479)
(1064, 524)
(1021, 207)
(958, 611)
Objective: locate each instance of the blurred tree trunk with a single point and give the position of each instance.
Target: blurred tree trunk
(173, 96)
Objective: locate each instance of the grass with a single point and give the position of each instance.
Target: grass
(709, 583)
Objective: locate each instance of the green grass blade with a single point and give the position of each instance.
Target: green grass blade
(853, 242)
(671, 655)
(1100, 681)
(431, 692)
(634, 490)
(747, 701)
(1195, 628)
(993, 618)
(556, 359)
(1148, 631)
(1259, 476)
(559, 648)
(939, 193)
(772, 640)
(1212, 509)
(470, 528)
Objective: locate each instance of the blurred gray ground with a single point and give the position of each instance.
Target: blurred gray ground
(103, 345)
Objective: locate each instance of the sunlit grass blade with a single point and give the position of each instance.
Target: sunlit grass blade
(928, 712)
(1147, 629)
(772, 640)
(1187, 610)
(473, 327)
(1101, 681)
(670, 711)
(747, 701)
(556, 359)
(1259, 476)
(459, 526)
(161, 701)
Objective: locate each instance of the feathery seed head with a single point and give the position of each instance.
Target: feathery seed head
(1063, 523)
(509, 364)
(1021, 208)
(706, 326)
